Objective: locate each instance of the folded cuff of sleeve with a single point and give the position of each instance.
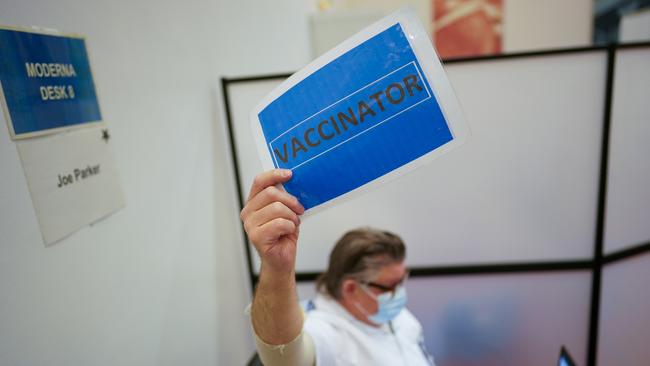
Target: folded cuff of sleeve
(298, 352)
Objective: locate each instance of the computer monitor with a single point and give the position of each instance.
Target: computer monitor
(565, 358)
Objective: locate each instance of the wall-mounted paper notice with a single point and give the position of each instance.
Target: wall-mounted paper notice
(46, 83)
(51, 110)
(371, 109)
(73, 180)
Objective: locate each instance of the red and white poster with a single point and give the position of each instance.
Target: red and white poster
(465, 28)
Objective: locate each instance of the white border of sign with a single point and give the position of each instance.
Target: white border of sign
(433, 71)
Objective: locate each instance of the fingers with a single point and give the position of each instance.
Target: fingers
(270, 195)
(267, 179)
(271, 212)
(272, 230)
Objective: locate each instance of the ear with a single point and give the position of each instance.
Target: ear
(348, 287)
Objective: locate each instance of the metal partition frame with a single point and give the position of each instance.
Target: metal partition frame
(595, 264)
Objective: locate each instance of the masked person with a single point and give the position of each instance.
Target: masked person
(358, 316)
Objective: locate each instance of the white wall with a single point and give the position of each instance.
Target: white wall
(535, 24)
(163, 281)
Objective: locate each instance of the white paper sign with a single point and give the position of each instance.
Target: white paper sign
(72, 178)
(373, 108)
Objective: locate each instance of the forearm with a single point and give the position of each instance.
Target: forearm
(276, 315)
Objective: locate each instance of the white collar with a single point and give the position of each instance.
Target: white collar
(331, 306)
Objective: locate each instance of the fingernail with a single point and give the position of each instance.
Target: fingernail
(285, 172)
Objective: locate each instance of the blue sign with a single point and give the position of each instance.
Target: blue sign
(46, 81)
(361, 116)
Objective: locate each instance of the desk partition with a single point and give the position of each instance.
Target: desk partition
(507, 236)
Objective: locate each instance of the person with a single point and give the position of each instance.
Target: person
(358, 316)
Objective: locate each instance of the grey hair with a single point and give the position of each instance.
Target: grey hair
(360, 254)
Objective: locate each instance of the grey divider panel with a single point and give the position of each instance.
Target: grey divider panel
(503, 320)
(243, 97)
(523, 188)
(628, 196)
(306, 290)
(500, 320)
(624, 321)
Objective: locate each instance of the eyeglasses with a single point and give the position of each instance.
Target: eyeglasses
(384, 288)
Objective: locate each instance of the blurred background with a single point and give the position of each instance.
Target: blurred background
(535, 237)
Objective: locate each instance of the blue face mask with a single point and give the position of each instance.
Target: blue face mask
(389, 305)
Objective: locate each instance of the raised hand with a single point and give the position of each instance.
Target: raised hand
(271, 220)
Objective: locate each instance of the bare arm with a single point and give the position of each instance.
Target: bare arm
(271, 221)
(276, 315)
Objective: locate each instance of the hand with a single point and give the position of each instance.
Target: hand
(271, 221)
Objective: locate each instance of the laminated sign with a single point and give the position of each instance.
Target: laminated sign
(369, 110)
(51, 107)
(47, 84)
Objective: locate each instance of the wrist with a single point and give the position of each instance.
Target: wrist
(283, 270)
(277, 278)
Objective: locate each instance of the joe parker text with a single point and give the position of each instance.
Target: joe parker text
(77, 174)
